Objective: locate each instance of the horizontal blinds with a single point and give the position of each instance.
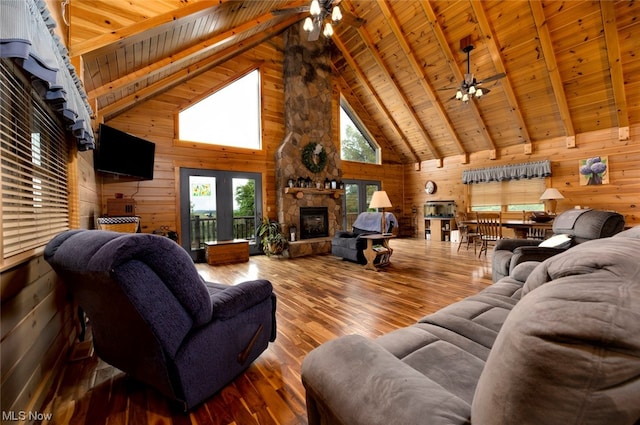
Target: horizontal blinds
(33, 152)
(507, 192)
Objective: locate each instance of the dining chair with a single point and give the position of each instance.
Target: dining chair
(467, 234)
(490, 229)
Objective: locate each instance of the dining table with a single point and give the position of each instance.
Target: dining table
(523, 229)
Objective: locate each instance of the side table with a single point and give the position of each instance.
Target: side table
(377, 255)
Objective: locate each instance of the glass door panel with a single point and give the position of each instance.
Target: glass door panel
(357, 197)
(218, 205)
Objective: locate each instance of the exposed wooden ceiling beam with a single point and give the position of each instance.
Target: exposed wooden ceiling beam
(183, 55)
(121, 34)
(496, 58)
(453, 65)
(552, 68)
(374, 95)
(190, 72)
(422, 78)
(608, 10)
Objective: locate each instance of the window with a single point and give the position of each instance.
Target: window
(511, 195)
(229, 117)
(34, 153)
(355, 142)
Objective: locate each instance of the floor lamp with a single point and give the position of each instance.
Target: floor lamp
(380, 200)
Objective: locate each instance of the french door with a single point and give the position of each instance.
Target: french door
(218, 205)
(357, 198)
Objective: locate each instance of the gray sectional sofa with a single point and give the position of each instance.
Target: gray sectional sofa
(556, 342)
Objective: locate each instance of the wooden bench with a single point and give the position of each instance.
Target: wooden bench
(226, 252)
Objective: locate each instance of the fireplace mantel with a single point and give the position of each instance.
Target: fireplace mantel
(300, 192)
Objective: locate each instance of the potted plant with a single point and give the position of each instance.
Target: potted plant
(271, 237)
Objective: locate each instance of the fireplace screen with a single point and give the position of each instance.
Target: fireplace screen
(314, 222)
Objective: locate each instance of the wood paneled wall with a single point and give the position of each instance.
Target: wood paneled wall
(157, 200)
(622, 194)
(38, 323)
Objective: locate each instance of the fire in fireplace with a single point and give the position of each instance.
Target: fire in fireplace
(314, 222)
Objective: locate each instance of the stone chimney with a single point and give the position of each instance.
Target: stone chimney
(308, 101)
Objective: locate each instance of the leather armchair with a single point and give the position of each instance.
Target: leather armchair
(580, 225)
(153, 316)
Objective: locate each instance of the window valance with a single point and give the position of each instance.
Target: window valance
(529, 170)
(27, 36)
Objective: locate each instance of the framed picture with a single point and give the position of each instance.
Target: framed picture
(594, 171)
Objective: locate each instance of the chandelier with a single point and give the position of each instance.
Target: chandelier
(320, 10)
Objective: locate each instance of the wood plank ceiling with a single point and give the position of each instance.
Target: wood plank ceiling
(570, 66)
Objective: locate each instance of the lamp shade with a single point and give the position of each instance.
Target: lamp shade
(380, 200)
(551, 193)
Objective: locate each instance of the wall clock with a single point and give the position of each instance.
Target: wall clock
(430, 187)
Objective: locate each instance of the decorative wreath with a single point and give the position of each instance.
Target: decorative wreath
(314, 157)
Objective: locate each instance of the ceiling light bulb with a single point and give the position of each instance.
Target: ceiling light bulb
(336, 14)
(472, 90)
(315, 8)
(479, 93)
(328, 30)
(308, 24)
(465, 98)
(459, 95)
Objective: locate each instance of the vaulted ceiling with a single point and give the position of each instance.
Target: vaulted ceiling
(569, 67)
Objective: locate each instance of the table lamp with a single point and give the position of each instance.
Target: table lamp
(380, 200)
(550, 196)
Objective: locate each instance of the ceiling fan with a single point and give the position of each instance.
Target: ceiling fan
(319, 11)
(470, 87)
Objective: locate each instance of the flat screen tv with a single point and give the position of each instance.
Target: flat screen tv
(123, 154)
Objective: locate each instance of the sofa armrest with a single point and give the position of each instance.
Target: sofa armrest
(233, 300)
(512, 244)
(353, 380)
(344, 234)
(532, 253)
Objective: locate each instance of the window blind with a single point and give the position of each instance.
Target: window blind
(33, 166)
(510, 192)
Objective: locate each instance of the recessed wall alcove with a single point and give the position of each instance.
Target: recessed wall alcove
(308, 116)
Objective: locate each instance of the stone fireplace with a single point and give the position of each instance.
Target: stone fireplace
(308, 115)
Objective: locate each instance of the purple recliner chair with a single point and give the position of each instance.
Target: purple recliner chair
(153, 316)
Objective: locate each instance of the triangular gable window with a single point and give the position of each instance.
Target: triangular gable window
(356, 144)
(229, 116)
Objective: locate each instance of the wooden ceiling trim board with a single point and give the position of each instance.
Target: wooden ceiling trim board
(453, 65)
(142, 26)
(367, 84)
(373, 50)
(178, 77)
(615, 67)
(184, 55)
(496, 58)
(552, 68)
(422, 78)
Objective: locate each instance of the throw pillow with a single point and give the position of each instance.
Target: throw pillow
(557, 241)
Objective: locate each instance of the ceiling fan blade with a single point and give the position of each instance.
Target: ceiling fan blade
(351, 19)
(493, 78)
(314, 34)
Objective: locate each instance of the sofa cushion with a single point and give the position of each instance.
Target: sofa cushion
(569, 352)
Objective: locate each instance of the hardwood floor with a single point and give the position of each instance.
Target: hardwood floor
(319, 298)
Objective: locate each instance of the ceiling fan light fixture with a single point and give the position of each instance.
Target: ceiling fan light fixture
(315, 10)
(328, 30)
(459, 95)
(336, 14)
(465, 97)
(479, 93)
(308, 24)
(472, 90)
